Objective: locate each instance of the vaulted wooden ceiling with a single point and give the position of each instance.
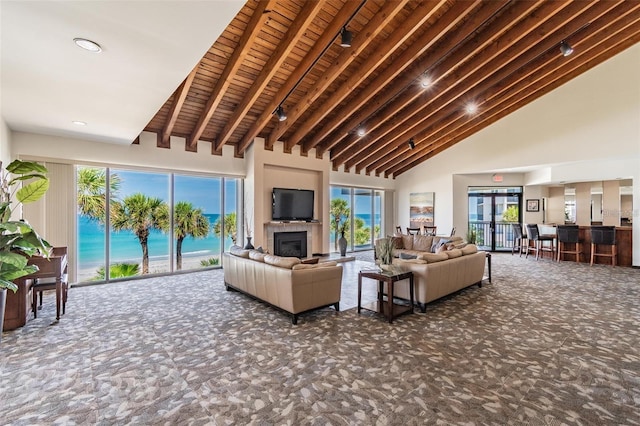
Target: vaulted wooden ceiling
(411, 73)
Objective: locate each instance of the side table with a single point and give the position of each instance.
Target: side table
(390, 310)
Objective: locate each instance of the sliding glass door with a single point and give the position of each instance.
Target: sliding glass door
(360, 210)
(157, 222)
(492, 211)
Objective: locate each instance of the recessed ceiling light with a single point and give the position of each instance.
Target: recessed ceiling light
(361, 132)
(79, 123)
(89, 45)
(425, 81)
(471, 108)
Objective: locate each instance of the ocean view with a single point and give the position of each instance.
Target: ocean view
(126, 247)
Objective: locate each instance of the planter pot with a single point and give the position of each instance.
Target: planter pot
(3, 303)
(342, 245)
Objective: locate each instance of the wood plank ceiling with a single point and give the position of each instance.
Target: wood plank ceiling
(429, 72)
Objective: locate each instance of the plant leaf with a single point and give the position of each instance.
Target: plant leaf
(33, 191)
(20, 167)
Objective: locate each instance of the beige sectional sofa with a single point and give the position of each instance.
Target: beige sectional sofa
(438, 274)
(283, 282)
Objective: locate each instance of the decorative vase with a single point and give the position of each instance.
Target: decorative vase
(342, 245)
(249, 246)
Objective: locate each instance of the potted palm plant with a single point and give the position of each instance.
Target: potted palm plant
(18, 240)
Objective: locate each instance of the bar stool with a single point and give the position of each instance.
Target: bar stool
(569, 234)
(606, 236)
(520, 242)
(538, 241)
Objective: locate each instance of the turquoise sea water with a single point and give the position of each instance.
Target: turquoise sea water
(126, 247)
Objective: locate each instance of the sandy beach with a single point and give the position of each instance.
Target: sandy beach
(156, 266)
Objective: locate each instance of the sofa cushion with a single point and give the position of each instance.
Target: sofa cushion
(282, 262)
(407, 242)
(453, 253)
(417, 261)
(239, 251)
(314, 266)
(433, 257)
(422, 242)
(256, 255)
(469, 249)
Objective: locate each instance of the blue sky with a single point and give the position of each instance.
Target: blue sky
(202, 192)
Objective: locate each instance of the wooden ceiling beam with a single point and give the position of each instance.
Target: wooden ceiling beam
(178, 101)
(327, 36)
(555, 72)
(471, 129)
(374, 27)
(516, 57)
(483, 48)
(224, 81)
(417, 18)
(297, 29)
(371, 99)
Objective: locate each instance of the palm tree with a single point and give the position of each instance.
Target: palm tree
(140, 214)
(118, 270)
(339, 213)
(187, 221)
(92, 188)
(228, 223)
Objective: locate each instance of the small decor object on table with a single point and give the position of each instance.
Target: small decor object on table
(384, 252)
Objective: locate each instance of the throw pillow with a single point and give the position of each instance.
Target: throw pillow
(437, 244)
(422, 242)
(442, 248)
(260, 249)
(397, 242)
(407, 242)
(407, 256)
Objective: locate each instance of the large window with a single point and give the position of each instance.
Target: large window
(360, 217)
(157, 222)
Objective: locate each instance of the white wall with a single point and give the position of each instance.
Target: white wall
(586, 130)
(145, 155)
(5, 143)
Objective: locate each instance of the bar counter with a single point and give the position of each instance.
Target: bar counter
(623, 243)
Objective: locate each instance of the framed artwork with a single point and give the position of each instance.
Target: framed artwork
(421, 209)
(533, 205)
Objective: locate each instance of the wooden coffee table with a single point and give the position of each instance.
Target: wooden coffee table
(389, 309)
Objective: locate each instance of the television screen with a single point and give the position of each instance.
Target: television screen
(292, 204)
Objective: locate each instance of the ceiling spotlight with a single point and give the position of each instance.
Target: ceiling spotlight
(471, 108)
(347, 37)
(361, 132)
(566, 48)
(281, 114)
(425, 81)
(411, 143)
(89, 45)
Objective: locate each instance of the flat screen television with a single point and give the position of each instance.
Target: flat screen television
(292, 204)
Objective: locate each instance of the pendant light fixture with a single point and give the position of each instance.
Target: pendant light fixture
(566, 48)
(346, 37)
(280, 113)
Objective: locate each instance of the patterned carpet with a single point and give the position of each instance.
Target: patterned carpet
(544, 344)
